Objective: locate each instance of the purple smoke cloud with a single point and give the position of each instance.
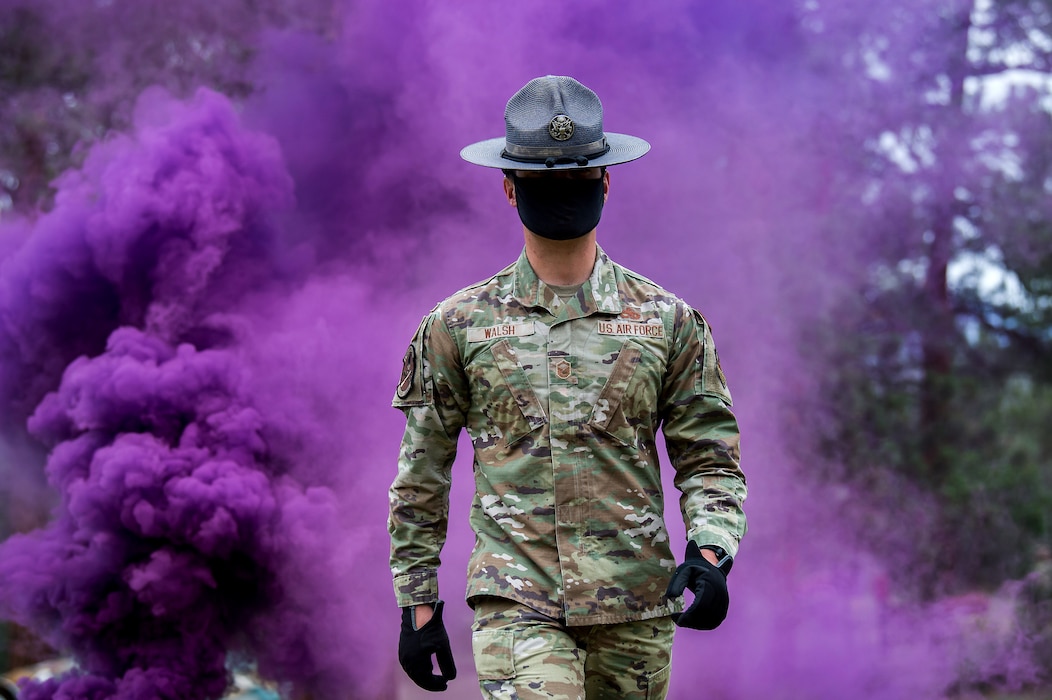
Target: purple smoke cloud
(179, 522)
(204, 334)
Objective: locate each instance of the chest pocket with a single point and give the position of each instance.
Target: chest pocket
(513, 407)
(627, 402)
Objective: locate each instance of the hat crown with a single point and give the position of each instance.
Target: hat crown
(554, 117)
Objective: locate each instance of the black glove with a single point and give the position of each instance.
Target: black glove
(709, 585)
(415, 647)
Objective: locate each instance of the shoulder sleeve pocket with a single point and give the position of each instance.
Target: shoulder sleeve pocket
(711, 380)
(412, 388)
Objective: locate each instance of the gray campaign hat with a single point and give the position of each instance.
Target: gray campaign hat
(554, 122)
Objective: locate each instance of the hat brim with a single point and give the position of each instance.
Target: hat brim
(489, 154)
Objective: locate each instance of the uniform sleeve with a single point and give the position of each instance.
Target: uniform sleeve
(432, 394)
(701, 434)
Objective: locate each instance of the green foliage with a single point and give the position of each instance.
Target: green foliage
(937, 385)
(990, 510)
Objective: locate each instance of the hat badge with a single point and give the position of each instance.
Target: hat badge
(561, 127)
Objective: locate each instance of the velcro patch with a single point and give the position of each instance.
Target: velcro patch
(481, 335)
(405, 384)
(632, 328)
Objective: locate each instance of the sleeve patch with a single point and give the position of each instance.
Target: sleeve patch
(412, 386)
(717, 370)
(405, 384)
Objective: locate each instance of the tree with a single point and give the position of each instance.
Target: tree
(938, 392)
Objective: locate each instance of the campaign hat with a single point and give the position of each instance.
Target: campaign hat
(554, 122)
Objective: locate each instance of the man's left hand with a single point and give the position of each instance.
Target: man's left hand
(417, 646)
(709, 584)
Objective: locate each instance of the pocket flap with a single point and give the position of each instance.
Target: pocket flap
(521, 393)
(607, 414)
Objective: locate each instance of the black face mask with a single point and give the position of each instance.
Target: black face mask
(559, 208)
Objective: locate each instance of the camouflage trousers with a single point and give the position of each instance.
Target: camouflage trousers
(521, 654)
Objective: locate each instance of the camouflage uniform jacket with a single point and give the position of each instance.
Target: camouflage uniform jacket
(562, 401)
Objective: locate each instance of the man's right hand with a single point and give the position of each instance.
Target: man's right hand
(422, 636)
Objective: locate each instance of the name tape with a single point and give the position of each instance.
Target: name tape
(505, 330)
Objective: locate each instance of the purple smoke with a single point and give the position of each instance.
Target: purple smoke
(205, 331)
(182, 513)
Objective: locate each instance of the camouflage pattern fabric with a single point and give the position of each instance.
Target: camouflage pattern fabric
(521, 654)
(562, 401)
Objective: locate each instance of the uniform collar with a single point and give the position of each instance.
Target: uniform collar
(600, 289)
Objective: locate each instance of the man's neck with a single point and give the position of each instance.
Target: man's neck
(561, 262)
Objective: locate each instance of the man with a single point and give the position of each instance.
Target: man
(562, 367)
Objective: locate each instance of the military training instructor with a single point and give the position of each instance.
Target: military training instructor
(562, 367)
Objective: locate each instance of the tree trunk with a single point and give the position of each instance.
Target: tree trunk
(936, 391)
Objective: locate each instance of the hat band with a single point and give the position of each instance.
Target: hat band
(539, 154)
